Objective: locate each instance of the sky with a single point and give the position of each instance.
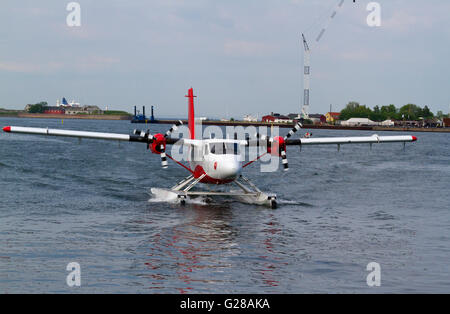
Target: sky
(240, 56)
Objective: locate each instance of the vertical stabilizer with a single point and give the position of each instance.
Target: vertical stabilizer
(191, 115)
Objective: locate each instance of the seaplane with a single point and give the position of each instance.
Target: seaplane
(215, 161)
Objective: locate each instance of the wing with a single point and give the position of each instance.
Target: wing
(140, 137)
(281, 143)
(351, 140)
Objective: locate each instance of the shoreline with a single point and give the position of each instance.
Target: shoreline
(66, 116)
(228, 123)
(311, 126)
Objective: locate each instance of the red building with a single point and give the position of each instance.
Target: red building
(446, 122)
(268, 118)
(276, 117)
(54, 110)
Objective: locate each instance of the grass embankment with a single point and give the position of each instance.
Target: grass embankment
(3, 113)
(9, 113)
(116, 113)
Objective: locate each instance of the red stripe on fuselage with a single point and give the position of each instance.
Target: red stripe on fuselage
(207, 179)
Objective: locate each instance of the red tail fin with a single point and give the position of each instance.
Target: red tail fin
(191, 116)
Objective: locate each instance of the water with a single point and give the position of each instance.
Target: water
(64, 202)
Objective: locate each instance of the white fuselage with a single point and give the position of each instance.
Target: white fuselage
(219, 159)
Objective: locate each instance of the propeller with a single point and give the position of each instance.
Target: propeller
(281, 143)
(157, 143)
(162, 146)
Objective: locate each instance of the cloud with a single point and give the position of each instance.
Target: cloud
(95, 63)
(24, 67)
(364, 55)
(402, 21)
(18, 67)
(173, 43)
(242, 48)
(407, 17)
(91, 63)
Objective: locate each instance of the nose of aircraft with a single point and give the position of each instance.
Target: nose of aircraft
(230, 169)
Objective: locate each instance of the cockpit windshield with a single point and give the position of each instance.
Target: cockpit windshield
(222, 148)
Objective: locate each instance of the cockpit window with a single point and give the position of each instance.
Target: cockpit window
(224, 148)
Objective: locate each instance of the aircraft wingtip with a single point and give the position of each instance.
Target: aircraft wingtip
(7, 129)
(414, 138)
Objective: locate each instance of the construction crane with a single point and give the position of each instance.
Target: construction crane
(306, 56)
(306, 74)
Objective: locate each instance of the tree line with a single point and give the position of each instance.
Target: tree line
(406, 112)
(38, 108)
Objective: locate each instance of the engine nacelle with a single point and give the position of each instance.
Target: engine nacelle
(277, 146)
(158, 140)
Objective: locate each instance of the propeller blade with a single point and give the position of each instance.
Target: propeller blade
(262, 139)
(141, 133)
(284, 160)
(164, 162)
(297, 127)
(173, 128)
(146, 135)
